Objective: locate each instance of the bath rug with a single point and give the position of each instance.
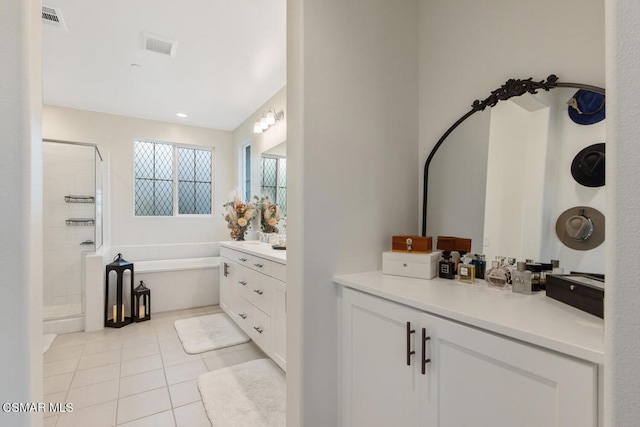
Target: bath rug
(206, 333)
(47, 340)
(249, 394)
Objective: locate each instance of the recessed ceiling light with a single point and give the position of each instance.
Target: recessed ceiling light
(183, 115)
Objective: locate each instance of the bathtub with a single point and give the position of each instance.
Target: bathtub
(180, 283)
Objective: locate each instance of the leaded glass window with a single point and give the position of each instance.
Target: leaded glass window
(162, 170)
(274, 181)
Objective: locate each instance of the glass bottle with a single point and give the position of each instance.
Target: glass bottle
(496, 277)
(481, 266)
(467, 273)
(446, 267)
(521, 279)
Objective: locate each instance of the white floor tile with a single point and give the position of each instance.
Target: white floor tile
(60, 367)
(143, 364)
(223, 360)
(139, 383)
(96, 375)
(184, 393)
(143, 404)
(185, 371)
(192, 415)
(162, 419)
(57, 383)
(140, 350)
(63, 353)
(100, 359)
(93, 394)
(102, 415)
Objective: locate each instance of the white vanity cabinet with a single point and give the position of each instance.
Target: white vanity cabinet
(402, 366)
(253, 294)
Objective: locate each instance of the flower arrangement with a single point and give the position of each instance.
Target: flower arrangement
(238, 216)
(270, 214)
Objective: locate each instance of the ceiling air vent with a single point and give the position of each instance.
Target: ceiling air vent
(53, 16)
(161, 45)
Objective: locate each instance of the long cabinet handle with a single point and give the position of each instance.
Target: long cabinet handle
(258, 265)
(258, 291)
(409, 351)
(242, 259)
(425, 338)
(244, 316)
(226, 269)
(243, 283)
(258, 329)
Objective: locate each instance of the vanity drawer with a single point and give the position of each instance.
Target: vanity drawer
(237, 256)
(279, 271)
(260, 264)
(259, 293)
(260, 330)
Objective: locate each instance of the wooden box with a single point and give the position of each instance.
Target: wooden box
(451, 244)
(413, 244)
(410, 264)
(581, 292)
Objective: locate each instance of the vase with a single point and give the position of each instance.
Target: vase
(240, 238)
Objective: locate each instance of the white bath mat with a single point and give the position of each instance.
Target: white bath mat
(206, 333)
(47, 340)
(249, 394)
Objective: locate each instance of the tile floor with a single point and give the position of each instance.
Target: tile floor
(135, 376)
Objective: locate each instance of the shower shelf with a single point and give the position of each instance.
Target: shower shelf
(80, 221)
(79, 199)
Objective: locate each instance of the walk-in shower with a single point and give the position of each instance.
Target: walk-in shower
(72, 227)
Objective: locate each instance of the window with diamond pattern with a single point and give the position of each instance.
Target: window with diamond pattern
(274, 181)
(156, 181)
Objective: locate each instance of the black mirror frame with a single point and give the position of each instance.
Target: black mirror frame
(513, 87)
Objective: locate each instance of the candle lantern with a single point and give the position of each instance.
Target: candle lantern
(114, 313)
(141, 303)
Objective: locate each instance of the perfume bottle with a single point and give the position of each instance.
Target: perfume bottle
(467, 273)
(535, 270)
(481, 266)
(521, 279)
(496, 277)
(446, 267)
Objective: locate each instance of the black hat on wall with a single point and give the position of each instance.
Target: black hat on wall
(587, 167)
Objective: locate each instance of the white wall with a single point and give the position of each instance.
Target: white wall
(114, 136)
(352, 140)
(469, 48)
(21, 210)
(622, 317)
(260, 142)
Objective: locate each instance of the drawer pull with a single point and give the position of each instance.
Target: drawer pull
(242, 282)
(425, 338)
(258, 291)
(242, 259)
(244, 316)
(409, 351)
(258, 329)
(258, 265)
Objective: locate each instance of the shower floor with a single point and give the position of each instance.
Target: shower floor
(61, 311)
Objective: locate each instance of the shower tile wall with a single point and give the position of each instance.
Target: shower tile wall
(68, 170)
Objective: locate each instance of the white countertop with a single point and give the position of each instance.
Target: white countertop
(536, 319)
(257, 248)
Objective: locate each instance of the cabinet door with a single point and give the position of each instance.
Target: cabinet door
(481, 379)
(279, 321)
(379, 387)
(225, 273)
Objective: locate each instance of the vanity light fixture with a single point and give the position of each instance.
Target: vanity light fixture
(269, 119)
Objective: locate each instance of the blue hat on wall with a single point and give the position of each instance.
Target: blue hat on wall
(586, 107)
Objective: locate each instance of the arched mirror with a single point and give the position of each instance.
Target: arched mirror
(501, 174)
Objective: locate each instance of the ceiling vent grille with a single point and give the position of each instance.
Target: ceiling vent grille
(53, 16)
(160, 45)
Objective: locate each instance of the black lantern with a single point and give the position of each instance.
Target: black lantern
(141, 303)
(116, 311)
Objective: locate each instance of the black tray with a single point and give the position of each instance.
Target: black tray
(580, 291)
